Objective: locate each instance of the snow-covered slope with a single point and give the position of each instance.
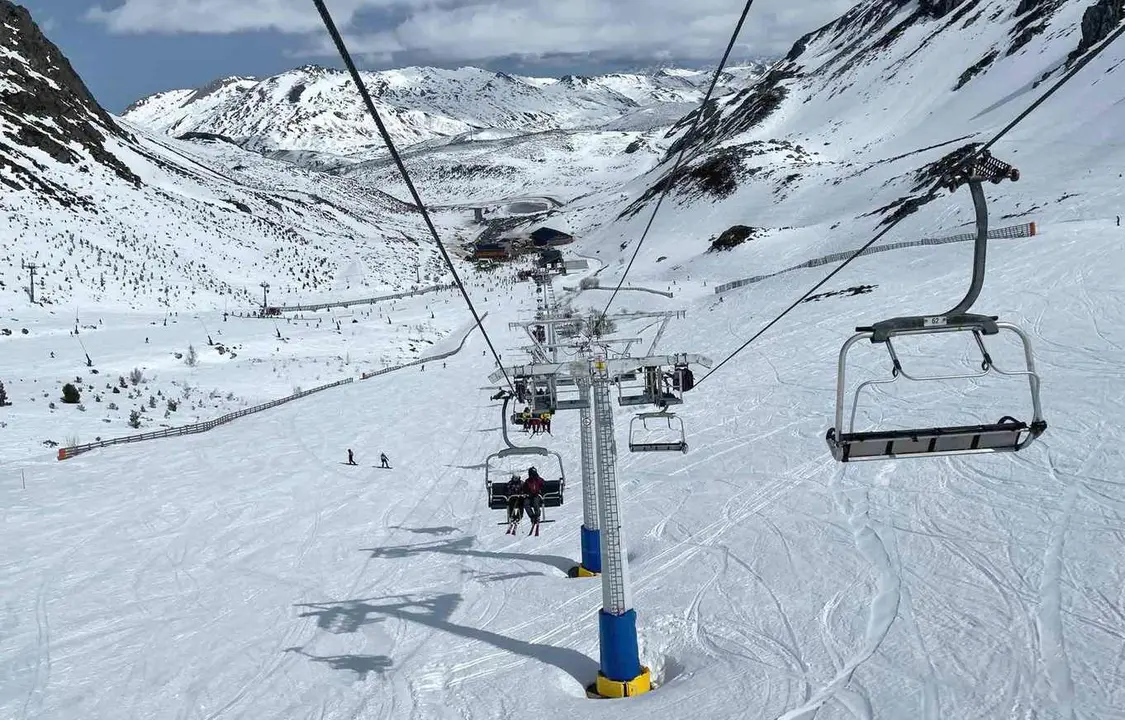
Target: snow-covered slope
(318, 109)
(112, 215)
(838, 137)
(561, 163)
(248, 573)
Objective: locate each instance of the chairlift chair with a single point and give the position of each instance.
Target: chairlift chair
(635, 445)
(502, 465)
(1007, 434)
(652, 387)
(537, 392)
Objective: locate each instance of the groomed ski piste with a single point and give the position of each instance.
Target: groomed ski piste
(247, 572)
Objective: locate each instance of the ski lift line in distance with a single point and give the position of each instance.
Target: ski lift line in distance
(636, 445)
(683, 149)
(330, 26)
(929, 195)
(1006, 435)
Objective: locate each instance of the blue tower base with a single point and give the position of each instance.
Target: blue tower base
(617, 635)
(591, 550)
(621, 674)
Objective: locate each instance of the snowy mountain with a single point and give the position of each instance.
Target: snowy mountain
(248, 573)
(863, 108)
(318, 109)
(112, 214)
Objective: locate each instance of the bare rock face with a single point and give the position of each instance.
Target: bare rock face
(46, 106)
(939, 8)
(1099, 20)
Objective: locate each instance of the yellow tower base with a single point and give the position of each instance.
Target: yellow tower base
(580, 572)
(606, 688)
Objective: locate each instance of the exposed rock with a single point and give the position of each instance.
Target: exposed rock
(939, 8)
(48, 105)
(1099, 20)
(733, 237)
(1033, 17)
(975, 69)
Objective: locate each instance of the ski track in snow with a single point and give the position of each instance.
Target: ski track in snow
(1052, 645)
(882, 610)
(442, 610)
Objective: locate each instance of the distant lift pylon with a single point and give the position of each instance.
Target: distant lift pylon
(1008, 433)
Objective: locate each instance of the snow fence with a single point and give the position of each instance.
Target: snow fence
(1012, 231)
(364, 301)
(69, 452)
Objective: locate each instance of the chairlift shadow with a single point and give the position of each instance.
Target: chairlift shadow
(434, 611)
(361, 665)
(437, 530)
(463, 546)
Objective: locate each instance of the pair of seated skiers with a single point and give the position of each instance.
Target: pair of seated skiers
(525, 495)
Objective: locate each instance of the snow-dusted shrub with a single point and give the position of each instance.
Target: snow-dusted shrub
(70, 394)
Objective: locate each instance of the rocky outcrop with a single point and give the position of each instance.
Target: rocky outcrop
(939, 8)
(1099, 20)
(46, 106)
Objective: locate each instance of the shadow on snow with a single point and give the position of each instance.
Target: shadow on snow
(433, 611)
(463, 546)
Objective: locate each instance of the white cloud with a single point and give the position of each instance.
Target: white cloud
(478, 30)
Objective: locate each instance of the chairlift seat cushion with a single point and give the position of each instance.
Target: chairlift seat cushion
(552, 495)
(957, 440)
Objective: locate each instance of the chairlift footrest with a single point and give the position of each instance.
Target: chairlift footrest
(958, 440)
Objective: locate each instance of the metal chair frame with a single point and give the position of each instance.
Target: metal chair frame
(678, 446)
(1006, 435)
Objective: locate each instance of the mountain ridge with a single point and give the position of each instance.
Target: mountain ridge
(316, 108)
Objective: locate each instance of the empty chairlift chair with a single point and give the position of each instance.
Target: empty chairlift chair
(639, 437)
(1008, 433)
(651, 386)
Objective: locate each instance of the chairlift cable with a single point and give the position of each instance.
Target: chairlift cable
(928, 196)
(330, 25)
(670, 177)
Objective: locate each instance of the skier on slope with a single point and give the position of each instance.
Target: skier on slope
(351, 457)
(383, 461)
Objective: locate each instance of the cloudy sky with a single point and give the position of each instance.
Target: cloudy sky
(125, 49)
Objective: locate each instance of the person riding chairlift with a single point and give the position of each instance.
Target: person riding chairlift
(515, 499)
(533, 490)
